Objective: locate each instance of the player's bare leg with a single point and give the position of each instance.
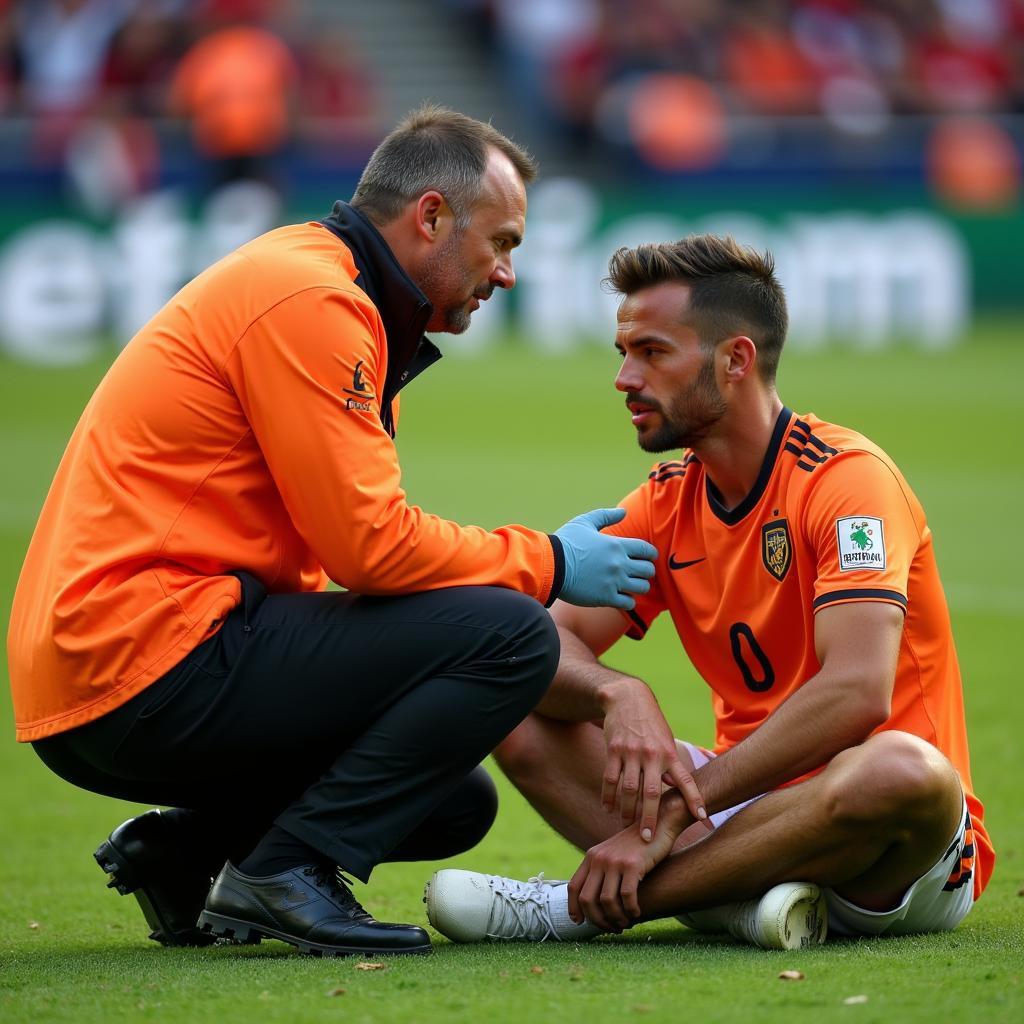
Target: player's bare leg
(869, 825)
(876, 819)
(558, 767)
(873, 822)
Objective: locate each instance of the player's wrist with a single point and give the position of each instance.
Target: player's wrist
(673, 814)
(615, 687)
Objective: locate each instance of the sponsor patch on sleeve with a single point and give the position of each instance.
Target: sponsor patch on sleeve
(360, 396)
(861, 543)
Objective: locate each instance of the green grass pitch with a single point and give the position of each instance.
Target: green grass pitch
(513, 437)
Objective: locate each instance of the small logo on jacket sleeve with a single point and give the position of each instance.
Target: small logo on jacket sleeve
(861, 543)
(361, 394)
(358, 384)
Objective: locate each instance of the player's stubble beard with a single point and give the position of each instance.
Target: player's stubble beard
(446, 284)
(689, 417)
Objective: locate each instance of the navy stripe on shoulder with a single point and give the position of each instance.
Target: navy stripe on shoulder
(811, 457)
(862, 593)
(665, 470)
(822, 447)
(800, 444)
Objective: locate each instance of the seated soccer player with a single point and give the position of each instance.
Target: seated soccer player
(799, 571)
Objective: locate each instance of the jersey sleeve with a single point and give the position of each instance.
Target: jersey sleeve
(309, 375)
(861, 523)
(639, 523)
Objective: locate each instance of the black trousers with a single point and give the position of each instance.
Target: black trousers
(355, 723)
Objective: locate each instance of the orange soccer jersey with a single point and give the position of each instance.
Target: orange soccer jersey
(830, 519)
(247, 426)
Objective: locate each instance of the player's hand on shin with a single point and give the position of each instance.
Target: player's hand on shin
(641, 753)
(603, 570)
(605, 887)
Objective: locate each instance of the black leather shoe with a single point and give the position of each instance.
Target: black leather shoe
(310, 907)
(149, 857)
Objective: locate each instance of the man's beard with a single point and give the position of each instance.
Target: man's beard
(690, 416)
(436, 281)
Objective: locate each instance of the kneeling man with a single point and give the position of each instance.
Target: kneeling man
(798, 568)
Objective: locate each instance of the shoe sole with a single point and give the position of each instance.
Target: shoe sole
(800, 920)
(123, 878)
(218, 926)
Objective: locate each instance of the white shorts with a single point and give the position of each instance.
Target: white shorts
(938, 901)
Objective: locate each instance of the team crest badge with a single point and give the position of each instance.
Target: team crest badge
(776, 549)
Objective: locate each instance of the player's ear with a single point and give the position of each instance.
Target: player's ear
(739, 356)
(433, 216)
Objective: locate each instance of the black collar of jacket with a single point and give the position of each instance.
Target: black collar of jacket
(403, 308)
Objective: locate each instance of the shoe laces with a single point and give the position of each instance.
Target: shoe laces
(521, 910)
(330, 877)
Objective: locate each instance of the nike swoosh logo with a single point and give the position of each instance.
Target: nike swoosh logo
(673, 564)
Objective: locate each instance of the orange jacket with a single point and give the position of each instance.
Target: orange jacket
(248, 426)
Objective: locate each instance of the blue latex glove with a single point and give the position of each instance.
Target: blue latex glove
(602, 570)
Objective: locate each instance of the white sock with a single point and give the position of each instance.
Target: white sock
(568, 930)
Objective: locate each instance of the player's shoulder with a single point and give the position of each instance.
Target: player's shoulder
(667, 479)
(669, 487)
(815, 443)
(830, 456)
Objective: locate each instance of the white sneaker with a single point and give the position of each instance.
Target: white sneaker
(792, 915)
(467, 906)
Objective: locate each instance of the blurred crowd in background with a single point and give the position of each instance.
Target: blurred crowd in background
(874, 145)
(673, 82)
(249, 77)
(855, 62)
(670, 86)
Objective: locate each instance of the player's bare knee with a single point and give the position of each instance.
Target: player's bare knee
(921, 781)
(519, 754)
(892, 777)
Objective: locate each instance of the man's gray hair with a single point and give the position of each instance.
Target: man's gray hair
(434, 148)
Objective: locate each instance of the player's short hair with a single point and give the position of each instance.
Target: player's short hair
(733, 289)
(434, 148)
